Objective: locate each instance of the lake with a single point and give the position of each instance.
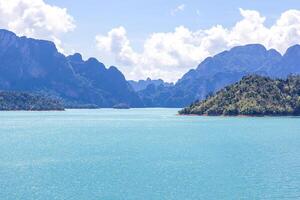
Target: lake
(147, 154)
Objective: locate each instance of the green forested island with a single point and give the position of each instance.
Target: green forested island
(253, 96)
(28, 101)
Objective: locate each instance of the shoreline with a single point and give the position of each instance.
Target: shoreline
(237, 116)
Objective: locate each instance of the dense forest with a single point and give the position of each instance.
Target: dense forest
(254, 95)
(28, 101)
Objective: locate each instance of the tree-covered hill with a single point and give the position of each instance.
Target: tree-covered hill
(28, 101)
(254, 96)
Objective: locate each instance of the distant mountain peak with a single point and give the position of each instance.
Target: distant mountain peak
(225, 68)
(113, 68)
(77, 57)
(274, 52)
(250, 47)
(294, 50)
(10, 39)
(94, 62)
(7, 32)
(33, 65)
(7, 37)
(143, 84)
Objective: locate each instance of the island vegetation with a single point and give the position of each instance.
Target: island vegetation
(10, 101)
(121, 106)
(254, 95)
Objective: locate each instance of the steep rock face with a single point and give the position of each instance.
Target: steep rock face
(216, 72)
(143, 84)
(231, 66)
(289, 64)
(36, 66)
(110, 81)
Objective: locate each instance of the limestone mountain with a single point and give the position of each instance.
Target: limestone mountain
(223, 69)
(143, 84)
(36, 66)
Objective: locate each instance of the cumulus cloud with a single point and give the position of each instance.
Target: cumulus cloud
(169, 55)
(116, 42)
(35, 18)
(179, 8)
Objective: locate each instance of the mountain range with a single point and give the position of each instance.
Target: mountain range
(143, 84)
(223, 69)
(36, 66)
(32, 65)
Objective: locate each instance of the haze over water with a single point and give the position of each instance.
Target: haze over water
(150, 154)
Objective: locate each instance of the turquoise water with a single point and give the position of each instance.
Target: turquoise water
(147, 154)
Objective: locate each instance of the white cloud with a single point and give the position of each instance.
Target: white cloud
(117, 43)
(35, 18)
(170, 55)
(179, 8)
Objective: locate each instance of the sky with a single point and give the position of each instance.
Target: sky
(156, 39)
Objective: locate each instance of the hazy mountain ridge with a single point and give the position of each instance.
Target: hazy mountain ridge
(143, 84)
(36, 66)
(223, 69)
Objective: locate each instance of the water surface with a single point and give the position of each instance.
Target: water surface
(147, 154)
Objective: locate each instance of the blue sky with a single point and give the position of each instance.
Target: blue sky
(141, 18)
(157, 39)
